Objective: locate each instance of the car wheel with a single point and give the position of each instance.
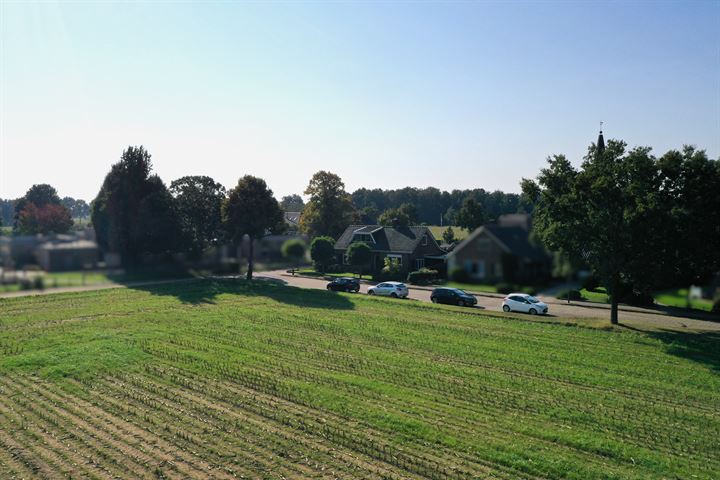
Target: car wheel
(533, 311)
(393, 295)
(506, 308)
(329, 289)
(371, 292)
(433, 299)
(461, 303)
(356, 290)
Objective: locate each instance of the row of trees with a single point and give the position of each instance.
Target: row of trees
(135, 213)
(639, 222)
(431, 204)
(41, 210)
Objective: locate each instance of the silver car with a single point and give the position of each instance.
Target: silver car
(522, 302)
(389, 289)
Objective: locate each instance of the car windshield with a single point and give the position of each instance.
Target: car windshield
(532, 299)
(461, 292)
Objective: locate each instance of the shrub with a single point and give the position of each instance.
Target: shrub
(391, 271)
(529, 290)
(504, 287)
(422, 276)
(590, 283)
(459, 274)
(38, 283)
(574, 295)
(322, 252)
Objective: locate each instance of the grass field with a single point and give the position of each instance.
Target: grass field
(223, 379)
(437, 232)
(678, 297)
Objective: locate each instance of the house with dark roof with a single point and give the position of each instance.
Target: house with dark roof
(502, 251)
(412, 247)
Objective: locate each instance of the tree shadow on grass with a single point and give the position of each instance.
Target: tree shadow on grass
(205, 290)
(701, 347)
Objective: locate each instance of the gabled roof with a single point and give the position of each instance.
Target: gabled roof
(514, 240)
(388, 239)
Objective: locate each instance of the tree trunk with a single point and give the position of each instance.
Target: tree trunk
(239, 258)
(250, 259)
(615, 286)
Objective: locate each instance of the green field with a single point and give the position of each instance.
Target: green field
(678, 297)
(223, 379)
(437, 232)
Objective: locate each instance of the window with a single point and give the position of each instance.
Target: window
(345, 259)
(419, 263)
(397, 259)
(425, 240)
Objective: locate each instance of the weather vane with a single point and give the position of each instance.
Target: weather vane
(601, 124)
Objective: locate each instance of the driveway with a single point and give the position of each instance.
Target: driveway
(593, 313)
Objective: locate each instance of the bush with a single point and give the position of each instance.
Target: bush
(504, 287)
(391, 271)
(459, 274)
(336, 268)
(423, 276)
(590, 283)
(322, 252)
(38, 283)
(529, 290)
(574, 295)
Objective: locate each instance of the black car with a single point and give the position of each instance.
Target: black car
(453, 296)
(344, 284)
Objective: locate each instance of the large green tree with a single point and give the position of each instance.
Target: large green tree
(250, 209)
(689, 194)
(471, 215)
(198, 201)
(134, 213)
(621, 213)
(330, 208)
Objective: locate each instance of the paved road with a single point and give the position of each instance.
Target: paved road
(634, 317)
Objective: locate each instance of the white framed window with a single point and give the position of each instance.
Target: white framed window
(419, 263)
(425, 240)
(345, 259)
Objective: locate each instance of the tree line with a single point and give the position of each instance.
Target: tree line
(45, 211)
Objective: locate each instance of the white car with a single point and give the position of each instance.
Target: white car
(389, 289)
(522, 302)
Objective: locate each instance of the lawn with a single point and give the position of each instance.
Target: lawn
(679, 298)
(223, 379)
(598, 295)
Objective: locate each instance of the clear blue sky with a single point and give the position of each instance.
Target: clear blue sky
(453, 95)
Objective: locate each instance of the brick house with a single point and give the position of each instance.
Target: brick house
(502, 251)
(411, 247)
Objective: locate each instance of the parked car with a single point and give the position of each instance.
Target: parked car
(453, 296)
(344, 284)
(389, 289)
(522, 302)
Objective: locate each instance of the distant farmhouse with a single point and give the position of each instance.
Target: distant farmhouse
(74, 251)
(411, 247)
(292, 220)
(501, 251)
